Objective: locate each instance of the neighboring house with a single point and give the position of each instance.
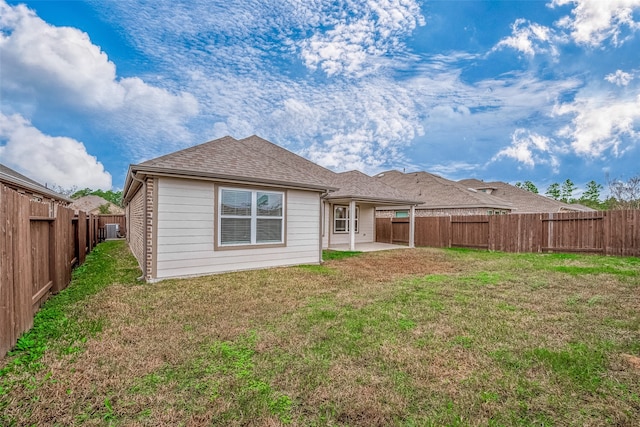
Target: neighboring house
(523, 201)
(91, 204)
(229, 205)
(438, 196)
(31, 188)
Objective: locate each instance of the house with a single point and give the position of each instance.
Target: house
(91, 204)
(31, 188)
(229, 205)
(523, 201)
(439, 196)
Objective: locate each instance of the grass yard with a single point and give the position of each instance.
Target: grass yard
(409, 338)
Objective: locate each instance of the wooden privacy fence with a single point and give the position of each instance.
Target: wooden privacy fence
(40, 244)
(606, 233)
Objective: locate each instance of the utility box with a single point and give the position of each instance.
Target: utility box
(112, 230)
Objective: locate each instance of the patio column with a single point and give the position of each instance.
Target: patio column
(412, 226)
(352, 225)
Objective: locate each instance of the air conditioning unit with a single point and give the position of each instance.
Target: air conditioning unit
(112, 230)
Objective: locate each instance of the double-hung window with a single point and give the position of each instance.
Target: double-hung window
(341, 219)
(250, 217)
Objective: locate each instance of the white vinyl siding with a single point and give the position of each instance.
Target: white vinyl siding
(186, 232)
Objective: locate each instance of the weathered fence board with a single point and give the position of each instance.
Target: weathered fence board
(400, 231)
(470, 231)
(609, 232)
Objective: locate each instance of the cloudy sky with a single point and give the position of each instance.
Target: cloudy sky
(496, 90)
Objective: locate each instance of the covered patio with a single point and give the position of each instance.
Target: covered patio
(349, 213)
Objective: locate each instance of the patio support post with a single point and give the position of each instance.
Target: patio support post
(352, 225)
(412, 226)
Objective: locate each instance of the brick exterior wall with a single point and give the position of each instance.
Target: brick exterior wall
(135, 226)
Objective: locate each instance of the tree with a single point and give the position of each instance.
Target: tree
(566, 193)
(81, 193)
(104, 209)
(527, 185)
(591, 196)
(553, 191)
(624, 194)
(62, 190)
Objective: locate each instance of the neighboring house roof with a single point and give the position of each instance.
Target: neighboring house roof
(92, 203)
(20, 182)
(523, 201)
(439, 193)
(581, 208)
(356, 185)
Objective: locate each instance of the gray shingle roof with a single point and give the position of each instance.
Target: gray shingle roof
(437, 192)
(16, 179)
(356, 185)
(256, 160)
(251, 159)
(523, 201)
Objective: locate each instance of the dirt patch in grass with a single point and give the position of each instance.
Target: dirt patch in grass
(633, 361)
(386, 266)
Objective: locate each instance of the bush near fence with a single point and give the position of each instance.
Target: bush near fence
(40, 244)
(604, 232)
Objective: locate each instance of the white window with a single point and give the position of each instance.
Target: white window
(341, 219)
(250, 217)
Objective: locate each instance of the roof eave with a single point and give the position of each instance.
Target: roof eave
(373, 200)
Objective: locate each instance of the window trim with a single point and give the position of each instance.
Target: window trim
(218, 245)
(348, 210)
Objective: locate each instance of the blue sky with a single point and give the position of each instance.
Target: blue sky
(495, 90)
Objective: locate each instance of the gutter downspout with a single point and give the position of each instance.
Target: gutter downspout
(144, 226)
(322, 210)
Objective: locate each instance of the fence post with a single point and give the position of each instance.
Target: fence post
(606, 225)
(7, 305)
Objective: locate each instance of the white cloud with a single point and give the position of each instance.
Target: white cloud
(531, 39)
(600, 123)
(594, 21)
(59, 68)
(619, 78)
(355, 41)
(48, 159)
(530, 149)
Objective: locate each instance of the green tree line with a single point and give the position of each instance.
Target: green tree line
(622, 194)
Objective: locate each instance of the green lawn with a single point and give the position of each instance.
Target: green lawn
(410, 337)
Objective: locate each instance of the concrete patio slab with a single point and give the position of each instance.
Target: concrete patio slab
(368, 247)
